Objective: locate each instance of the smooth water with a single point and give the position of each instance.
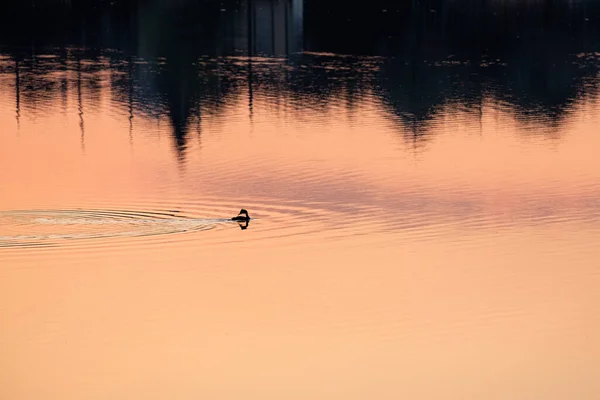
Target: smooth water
(425, 202)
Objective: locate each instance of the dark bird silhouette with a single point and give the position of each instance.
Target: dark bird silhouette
(242, 216)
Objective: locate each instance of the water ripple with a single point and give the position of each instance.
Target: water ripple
(50, 227)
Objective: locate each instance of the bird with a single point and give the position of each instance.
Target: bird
(242, 216)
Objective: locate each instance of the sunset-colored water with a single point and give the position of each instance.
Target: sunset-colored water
(407, 241)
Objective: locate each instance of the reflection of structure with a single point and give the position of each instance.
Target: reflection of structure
(178, 32)
(171, 31)
(130, 97)
(17, 93)
(268, 27)
(80, 104)
(174, 62)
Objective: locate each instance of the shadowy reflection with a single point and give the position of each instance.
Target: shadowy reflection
(17, 93)
(80, 105)
(534, 57)
(243, 224)
(130, 98)
(187, 60)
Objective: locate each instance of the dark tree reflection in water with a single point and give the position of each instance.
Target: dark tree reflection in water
(173, 58)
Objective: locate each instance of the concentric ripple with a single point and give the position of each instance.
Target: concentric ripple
(33, 228)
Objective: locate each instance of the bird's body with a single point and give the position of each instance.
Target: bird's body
(242, 216)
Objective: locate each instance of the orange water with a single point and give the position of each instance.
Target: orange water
(449, 257)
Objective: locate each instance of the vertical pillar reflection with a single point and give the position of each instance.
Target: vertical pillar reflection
(130, 81)
(18, 94)
(80, 104)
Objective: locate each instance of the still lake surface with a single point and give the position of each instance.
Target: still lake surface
(426, 214)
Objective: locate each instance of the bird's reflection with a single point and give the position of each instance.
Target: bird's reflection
(243, 224)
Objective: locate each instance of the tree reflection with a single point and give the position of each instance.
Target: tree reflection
(187, 59)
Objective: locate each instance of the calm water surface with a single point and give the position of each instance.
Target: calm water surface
(426, 226)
